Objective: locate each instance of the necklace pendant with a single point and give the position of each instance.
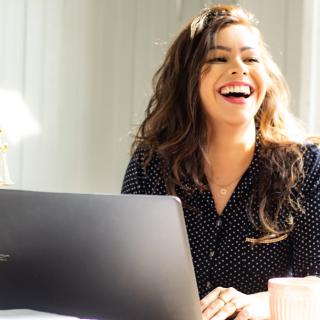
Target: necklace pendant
(223, 191)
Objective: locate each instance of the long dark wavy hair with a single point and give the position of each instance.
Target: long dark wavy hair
(175, 125)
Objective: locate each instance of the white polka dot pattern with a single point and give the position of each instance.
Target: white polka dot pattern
(220, 253)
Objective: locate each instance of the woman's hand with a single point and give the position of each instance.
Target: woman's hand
(222, 303)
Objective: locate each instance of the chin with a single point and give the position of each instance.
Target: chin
(240, 121)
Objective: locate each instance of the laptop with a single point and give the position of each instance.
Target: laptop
(97, 256)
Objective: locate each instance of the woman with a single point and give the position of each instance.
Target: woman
(218, 134)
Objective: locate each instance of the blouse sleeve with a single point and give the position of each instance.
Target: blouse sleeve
(306, 234)
(134, 179)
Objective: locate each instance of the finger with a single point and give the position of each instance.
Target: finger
(240, 301)
(208, 299)
(227, 302)
(235, 298)
(247, 314)
(213, 309)
(225, 312)
(244, 314)
(229, 294)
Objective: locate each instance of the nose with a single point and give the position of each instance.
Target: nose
(239, 68)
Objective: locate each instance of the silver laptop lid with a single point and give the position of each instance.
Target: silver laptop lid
(96, 256)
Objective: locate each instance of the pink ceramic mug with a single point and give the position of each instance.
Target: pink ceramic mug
(294, 298)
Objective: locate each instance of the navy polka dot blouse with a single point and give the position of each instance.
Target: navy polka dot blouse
(221, 252)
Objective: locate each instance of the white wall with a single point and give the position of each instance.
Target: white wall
(309, 110)
(84, 68)
(281, 26)
(292, 30)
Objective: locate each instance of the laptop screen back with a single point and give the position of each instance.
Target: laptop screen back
(96, 256)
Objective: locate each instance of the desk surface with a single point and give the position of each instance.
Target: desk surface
(26, 314)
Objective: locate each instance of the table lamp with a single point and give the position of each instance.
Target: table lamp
(5, 179)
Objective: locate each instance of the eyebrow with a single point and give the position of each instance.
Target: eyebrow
(229, 49)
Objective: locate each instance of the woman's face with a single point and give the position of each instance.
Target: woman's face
(233, 80)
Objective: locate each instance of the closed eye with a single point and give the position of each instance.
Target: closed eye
(217, 60)
(251, 60)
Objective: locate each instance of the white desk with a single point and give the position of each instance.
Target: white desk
(31, 314)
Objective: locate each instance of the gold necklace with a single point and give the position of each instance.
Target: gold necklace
(223, 187)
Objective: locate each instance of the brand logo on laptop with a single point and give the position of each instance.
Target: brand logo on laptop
(4, 257)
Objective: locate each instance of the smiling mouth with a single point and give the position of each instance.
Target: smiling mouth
(236, 91)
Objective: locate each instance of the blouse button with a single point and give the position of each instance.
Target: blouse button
(219, 222)
(208, 284)
(211, 254)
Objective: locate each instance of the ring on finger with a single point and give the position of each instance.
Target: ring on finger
(233, 304)
(220, 298)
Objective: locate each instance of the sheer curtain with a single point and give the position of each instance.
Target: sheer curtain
(291, 28)
(82, 70)
(309, 109)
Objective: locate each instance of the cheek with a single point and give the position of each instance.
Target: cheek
(263, 81)
(208, 81)
(205, 86)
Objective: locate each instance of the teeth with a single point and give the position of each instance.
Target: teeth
(238, 89)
